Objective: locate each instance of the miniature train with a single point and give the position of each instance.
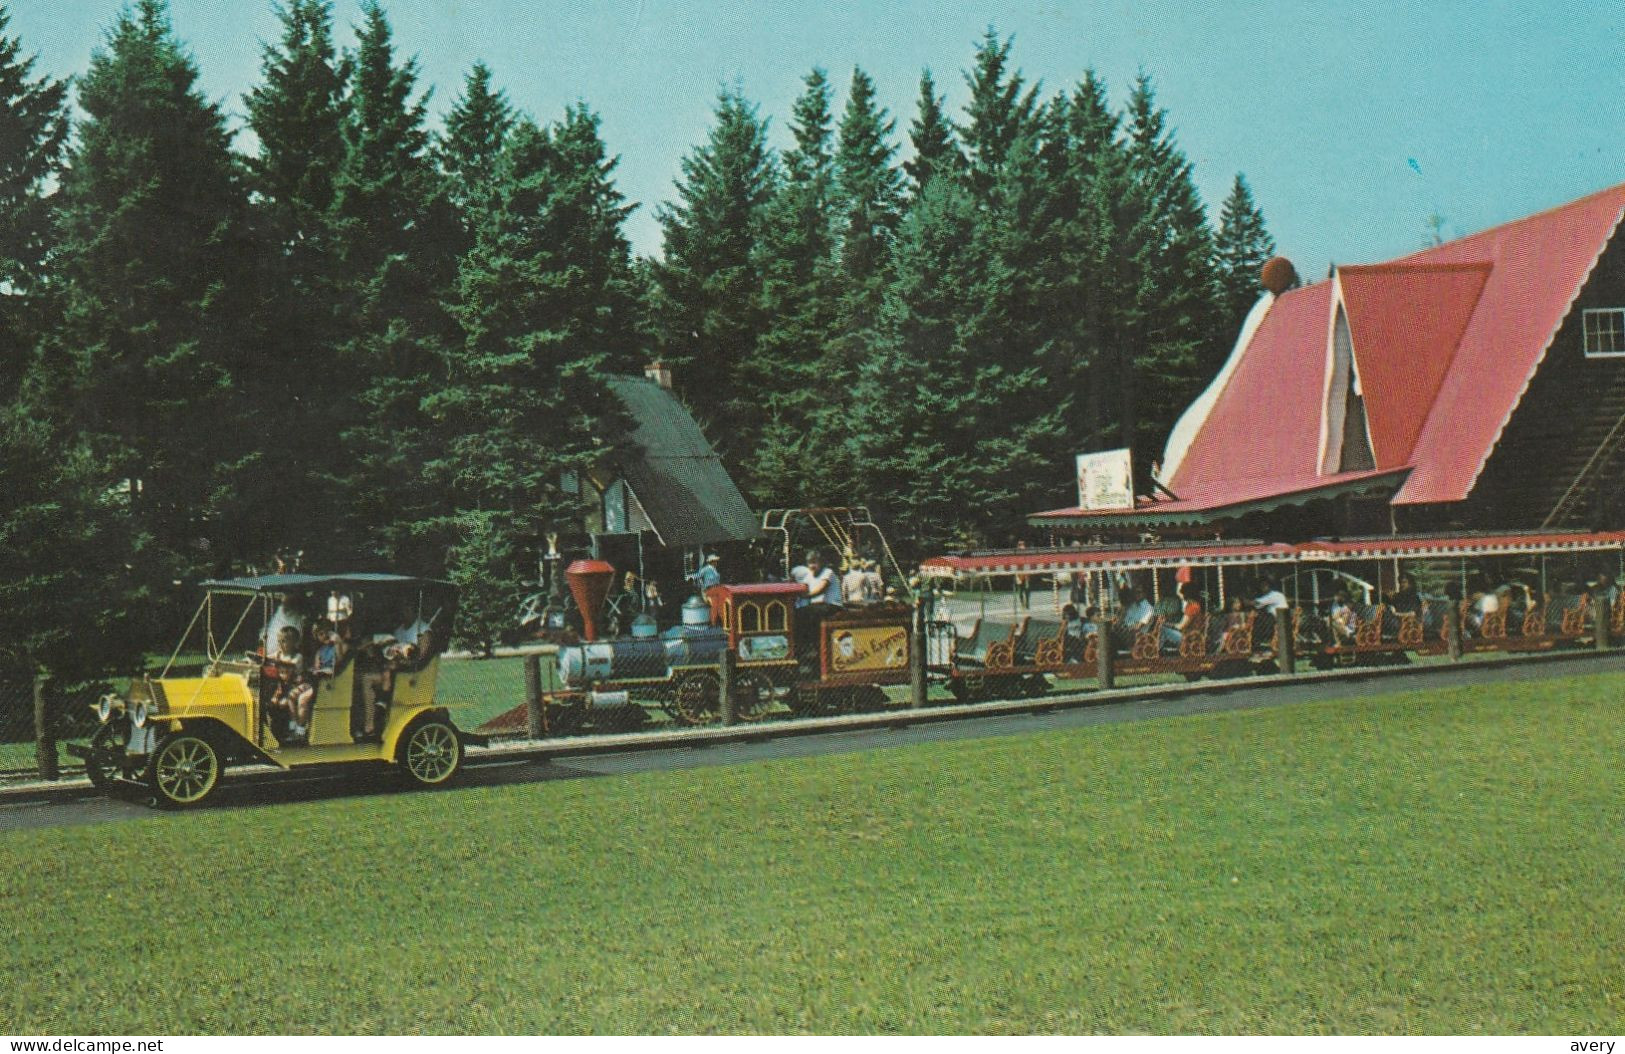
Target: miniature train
(987, 635)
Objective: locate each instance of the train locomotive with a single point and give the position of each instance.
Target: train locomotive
(809, 658)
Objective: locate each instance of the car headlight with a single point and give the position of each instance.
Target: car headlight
(139, 717)
(104, 708)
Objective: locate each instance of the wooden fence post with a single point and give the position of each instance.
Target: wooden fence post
(1285, 657)
(1103, 654)
(535, 727)
(725, 670)
(916, 658)
(1604, 620)
(44, 737)
(1452, 631)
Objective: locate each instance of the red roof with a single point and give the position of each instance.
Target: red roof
(1406, 321)
(1445, 343)
(1266, 425)
(1539, 266)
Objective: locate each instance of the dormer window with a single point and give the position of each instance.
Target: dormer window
(1604, 329)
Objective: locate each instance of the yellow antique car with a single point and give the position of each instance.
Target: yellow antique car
(340, 670)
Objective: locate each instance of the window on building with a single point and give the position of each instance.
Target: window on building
(1604, 332)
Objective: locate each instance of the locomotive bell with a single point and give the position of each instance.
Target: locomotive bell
(589, 584)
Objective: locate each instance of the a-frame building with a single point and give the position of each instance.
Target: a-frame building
(1477, 384)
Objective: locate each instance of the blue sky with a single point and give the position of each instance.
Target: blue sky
(1354, 122)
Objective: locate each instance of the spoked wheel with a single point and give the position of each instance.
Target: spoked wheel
(806, 701)
(431, 754)
(183, 771)
(697, 698)
(101, 762)
(753, 695)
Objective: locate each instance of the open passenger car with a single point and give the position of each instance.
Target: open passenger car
(170, 736)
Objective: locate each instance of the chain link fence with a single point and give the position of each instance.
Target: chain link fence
(67, 716)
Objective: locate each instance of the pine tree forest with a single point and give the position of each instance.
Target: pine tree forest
(380, 338)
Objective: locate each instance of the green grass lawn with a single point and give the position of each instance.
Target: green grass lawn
(1446, 861)
(477, 690)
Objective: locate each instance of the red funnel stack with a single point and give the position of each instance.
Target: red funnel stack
(589, 584)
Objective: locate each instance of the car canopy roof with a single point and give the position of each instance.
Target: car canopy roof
(278, 584)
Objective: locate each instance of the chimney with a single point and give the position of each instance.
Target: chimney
(658, 372)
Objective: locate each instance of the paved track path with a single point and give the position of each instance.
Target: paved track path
(269, 789)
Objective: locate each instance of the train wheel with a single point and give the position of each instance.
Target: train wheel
(753, 696)
(565, 719)
(971, 688)
(805, 701)
(868, 698)
(697, 698)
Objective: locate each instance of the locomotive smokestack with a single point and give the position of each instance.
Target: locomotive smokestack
(589, 584)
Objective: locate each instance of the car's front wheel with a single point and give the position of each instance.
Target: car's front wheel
(101, 761)
(183, 771)
(430, 753)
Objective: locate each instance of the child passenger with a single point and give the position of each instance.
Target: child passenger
(295, 692)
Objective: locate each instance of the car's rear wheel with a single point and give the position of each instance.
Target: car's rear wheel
(430, 754)
(184, 770)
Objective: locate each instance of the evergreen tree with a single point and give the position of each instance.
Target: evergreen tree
(33, 137)
(470, 148)
(399, 245)
(62, 543)
(998, 112)
(1169, 324)
(799, 301)
(710, 277)
(543, 301)
(871, 196)
(155, 343)
(297, 113)
(932, 136)
(65, 600)
(947, 433)
(1096, 248)
(1241, 248)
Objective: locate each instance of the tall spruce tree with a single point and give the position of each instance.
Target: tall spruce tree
(1241, 248)
(297, 113)
(399, 245)
(1169, 324)
(799, 304)
(62, 539)
(544, 305)
(710, 277)
(33, 138)
(1001, 108)
(156, 340)
(931, 134)
(469, 149)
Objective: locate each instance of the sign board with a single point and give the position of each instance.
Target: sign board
(855, 649)
(1106, 480)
